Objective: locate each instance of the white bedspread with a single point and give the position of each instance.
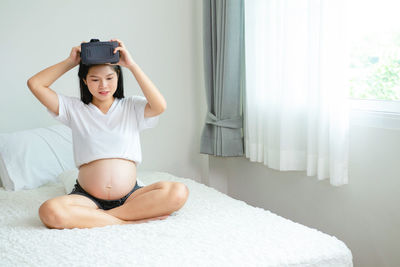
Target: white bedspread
(212, 229)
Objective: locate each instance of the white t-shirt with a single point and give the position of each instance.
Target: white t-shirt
(96, 135)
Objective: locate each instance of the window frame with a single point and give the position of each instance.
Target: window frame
(375, 113)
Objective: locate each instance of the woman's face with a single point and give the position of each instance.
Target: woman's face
(102, 82)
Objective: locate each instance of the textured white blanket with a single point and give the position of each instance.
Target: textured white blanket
(212, 229)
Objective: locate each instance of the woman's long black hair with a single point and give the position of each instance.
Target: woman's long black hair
(86, 96)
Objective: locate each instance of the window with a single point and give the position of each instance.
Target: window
(374, 70)
(374, 47)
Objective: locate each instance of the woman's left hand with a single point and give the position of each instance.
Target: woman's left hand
(125, 59)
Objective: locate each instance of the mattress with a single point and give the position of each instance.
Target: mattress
(211, 229)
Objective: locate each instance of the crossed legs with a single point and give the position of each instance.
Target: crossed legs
(152, 202)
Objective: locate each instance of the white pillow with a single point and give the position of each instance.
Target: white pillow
(68, 178)
(31, 158)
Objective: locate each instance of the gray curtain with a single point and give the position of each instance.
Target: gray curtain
(223, 35)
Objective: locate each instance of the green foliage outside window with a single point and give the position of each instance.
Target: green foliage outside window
(375, 68)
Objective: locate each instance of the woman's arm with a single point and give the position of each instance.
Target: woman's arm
(156, 101)
(40, 82)
(49, 75)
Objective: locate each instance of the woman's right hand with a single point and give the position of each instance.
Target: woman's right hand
(75, 55)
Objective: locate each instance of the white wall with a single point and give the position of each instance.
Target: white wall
(163, 37)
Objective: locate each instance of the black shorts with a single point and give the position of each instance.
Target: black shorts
(102, 203)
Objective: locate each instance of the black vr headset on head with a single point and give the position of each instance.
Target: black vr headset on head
(96, 52)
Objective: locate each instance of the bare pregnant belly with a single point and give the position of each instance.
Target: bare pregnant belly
(108, 179)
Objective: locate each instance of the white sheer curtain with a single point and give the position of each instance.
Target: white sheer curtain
(296, 105)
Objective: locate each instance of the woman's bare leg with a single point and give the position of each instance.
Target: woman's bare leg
(76, 211)
(153, 201)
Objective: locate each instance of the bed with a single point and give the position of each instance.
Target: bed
(212, 229)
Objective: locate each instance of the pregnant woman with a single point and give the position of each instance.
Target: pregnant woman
(105, 132)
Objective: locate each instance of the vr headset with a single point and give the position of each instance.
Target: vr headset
(97, 52)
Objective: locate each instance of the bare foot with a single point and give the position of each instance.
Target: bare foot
(146, 220)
